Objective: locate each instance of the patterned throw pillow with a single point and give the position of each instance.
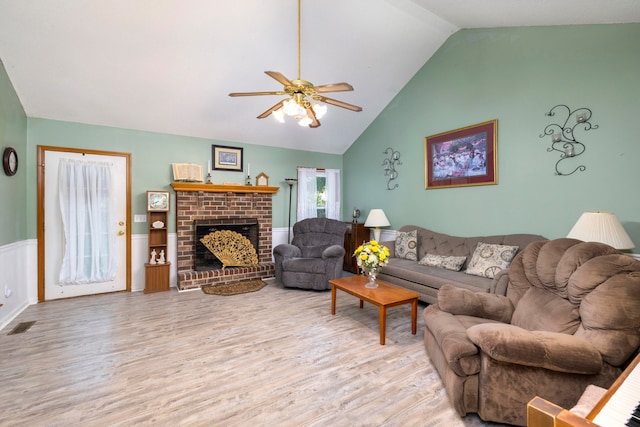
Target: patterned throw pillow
(449, 262)
(489, 259)
(407, 245)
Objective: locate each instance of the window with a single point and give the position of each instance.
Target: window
(318, 193)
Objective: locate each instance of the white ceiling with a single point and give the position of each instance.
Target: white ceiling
(168, 65)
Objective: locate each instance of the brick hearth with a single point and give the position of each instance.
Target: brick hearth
(210, 201)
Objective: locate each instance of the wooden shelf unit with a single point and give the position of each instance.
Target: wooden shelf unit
(156, 278)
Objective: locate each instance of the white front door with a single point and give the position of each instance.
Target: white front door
(54, 241)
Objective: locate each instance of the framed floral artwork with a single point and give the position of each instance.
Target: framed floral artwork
(227, 158)
(462, 157)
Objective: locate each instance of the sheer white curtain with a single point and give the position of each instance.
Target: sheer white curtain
(333, 193)
(87, 217)
(307, 189)
(308, 193)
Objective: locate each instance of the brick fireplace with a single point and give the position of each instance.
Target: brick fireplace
(197, 202)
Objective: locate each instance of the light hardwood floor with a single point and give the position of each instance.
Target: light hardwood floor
(275, 357)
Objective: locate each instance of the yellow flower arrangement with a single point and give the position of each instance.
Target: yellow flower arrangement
(371, 256)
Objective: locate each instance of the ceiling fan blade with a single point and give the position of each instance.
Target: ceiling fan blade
(256, 93)
(271, 110)
(279, 77)
(339, 103)
(314, 120)
(335, 87)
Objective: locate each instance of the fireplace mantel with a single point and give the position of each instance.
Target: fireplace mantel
(217, 188)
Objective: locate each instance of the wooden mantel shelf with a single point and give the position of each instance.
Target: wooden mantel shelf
(217, 188)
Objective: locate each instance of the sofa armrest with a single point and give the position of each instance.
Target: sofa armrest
(333, 251)
(287, 251)
(540, 349)
(456, 300)
(391, 244)
(500, 282)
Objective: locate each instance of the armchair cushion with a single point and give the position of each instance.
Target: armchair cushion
(304, 265)
(313, 251)
(559, 314)
(456, 300)
(549, 350)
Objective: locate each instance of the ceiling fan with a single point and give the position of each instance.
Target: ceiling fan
(302, 95)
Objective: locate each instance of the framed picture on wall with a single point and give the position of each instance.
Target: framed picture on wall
(462, 157)
(227, 158)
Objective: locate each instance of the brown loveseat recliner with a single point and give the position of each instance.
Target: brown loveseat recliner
(570, 318)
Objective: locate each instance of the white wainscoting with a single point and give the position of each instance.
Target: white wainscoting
(19, 279)
(20, 276)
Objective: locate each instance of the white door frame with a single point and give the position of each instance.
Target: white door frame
(40, 213)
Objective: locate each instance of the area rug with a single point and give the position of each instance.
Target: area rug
(234, 288)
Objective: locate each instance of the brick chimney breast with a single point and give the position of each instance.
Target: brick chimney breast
(195, 202)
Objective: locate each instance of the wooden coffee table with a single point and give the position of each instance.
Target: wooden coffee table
(384, 296)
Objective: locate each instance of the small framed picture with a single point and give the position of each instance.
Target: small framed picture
(158, 201)
(227, 158)
(262, 179)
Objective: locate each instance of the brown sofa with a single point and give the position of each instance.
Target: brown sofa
(570, 318)
(427, 280)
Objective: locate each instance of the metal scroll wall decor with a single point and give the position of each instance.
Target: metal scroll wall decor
(389, 166)
(563, 135)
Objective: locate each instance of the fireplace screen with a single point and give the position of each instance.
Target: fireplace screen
(205, 259)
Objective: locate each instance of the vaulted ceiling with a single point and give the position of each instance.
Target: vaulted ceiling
(168, 65)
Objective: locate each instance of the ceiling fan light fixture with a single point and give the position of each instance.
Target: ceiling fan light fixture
(302, 92)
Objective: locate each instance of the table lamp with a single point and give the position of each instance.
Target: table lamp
(375, 220)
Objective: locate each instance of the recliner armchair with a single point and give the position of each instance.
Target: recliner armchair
(314, 256)
(570, 318)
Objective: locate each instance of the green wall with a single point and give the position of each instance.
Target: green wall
(152, 155)
(13, 133)
(514, 75)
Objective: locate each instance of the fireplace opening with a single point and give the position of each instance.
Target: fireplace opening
(204, 259)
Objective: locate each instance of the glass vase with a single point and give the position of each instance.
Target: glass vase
(372, 273)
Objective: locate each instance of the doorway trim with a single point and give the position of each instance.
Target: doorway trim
(40, 209)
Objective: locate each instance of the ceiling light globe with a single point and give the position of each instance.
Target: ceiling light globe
(320, 110)
(304, 121)
(290, 107)
(279, 115)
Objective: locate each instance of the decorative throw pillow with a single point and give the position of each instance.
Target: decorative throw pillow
(443, 261)
(488, 259)
(407, 245)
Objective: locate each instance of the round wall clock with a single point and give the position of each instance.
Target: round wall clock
(10, 161)
(157, 200)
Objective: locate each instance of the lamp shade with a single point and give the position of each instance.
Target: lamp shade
(377, 218)
(601, 227)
